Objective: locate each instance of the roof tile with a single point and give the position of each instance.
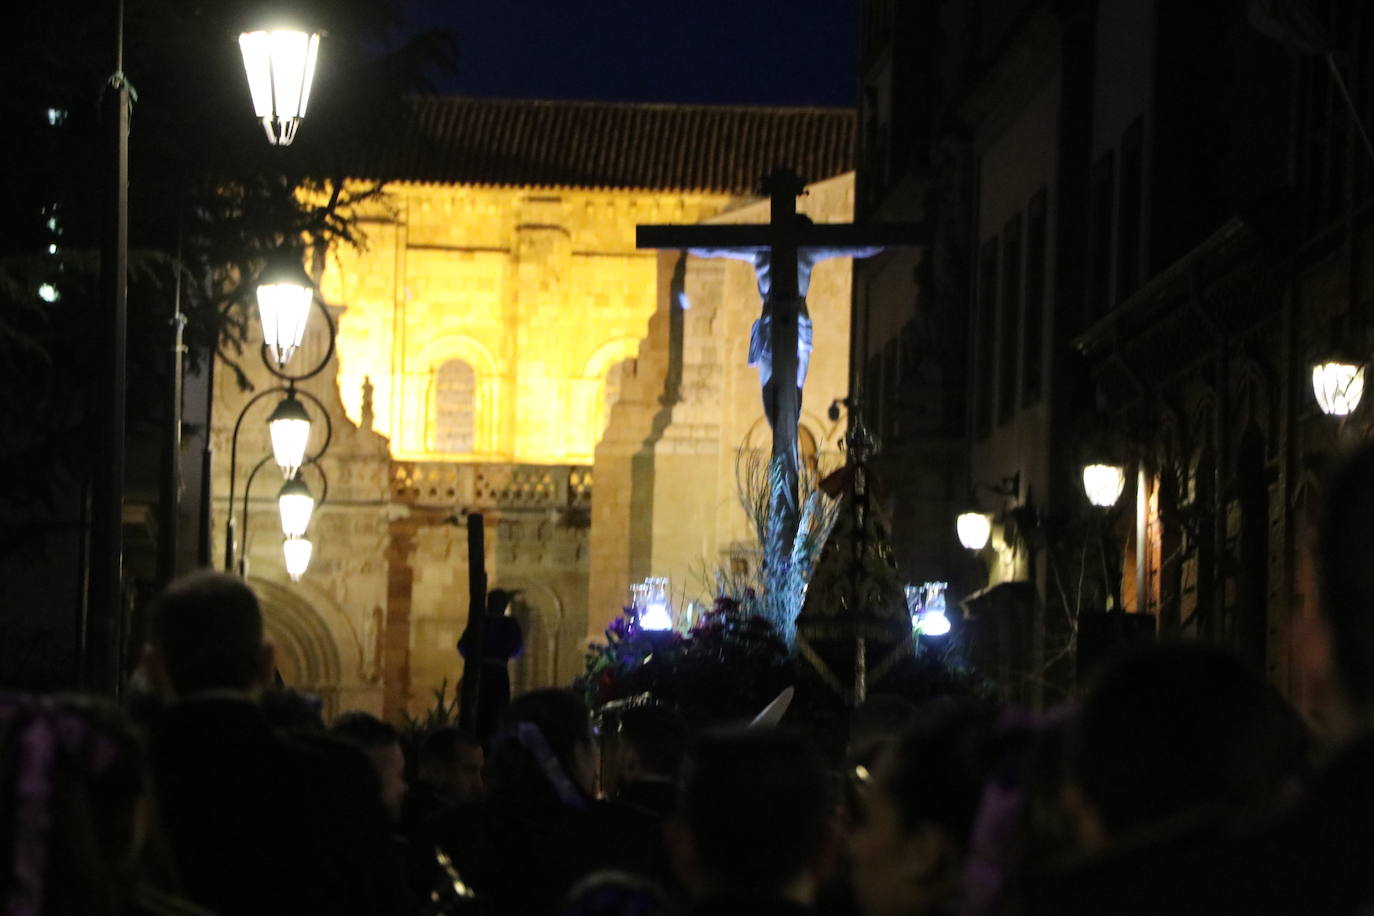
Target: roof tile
(454, 140)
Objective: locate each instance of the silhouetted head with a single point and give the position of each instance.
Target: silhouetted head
(1179, 702)
(498, 600)
(878, 719)
(451, 762)
(543, 751)
(914, 809)
(755, 815)
(615, 893)
(207, 635)
(649, 743)
(382, 745)
(75, 800)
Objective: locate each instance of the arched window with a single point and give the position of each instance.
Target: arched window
(455, 394)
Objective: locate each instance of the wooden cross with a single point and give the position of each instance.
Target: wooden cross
(783, 252)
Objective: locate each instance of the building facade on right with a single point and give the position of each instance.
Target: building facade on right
(1151, 218)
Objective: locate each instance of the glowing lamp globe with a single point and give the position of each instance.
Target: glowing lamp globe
(280, 64)
(296, 505)
(289, 427)
(932, 623)
(974, 529)
(296, 552)
(1103, 483)
(284, 294)
(1338, 385)
(926, 605)
(655, 616)
(651, 604)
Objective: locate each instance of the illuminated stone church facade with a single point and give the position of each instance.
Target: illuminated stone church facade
(503, 348)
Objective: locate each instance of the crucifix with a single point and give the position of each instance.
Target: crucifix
(783, 253)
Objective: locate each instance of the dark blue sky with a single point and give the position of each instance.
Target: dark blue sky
(721, 51)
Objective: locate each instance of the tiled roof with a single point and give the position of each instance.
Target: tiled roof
(613, 145)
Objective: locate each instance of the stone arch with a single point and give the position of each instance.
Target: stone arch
(608, 354)
(540, 612)
(318, 650)
(596, 372)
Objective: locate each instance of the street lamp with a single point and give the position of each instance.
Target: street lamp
(295, 504)
(973, 525)
(280, 64)
(287, 432)
(284, 294)
(296, 552)
(974, 529)
(1103, 483)
(289, 427)
(1338, 384)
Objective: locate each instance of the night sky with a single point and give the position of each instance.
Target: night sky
(713, 51)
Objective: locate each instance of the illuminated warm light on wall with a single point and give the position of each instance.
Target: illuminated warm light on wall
(1338, 386)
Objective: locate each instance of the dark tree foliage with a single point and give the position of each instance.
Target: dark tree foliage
(203, 181)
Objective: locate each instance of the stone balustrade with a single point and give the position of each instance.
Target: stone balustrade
(491, 486)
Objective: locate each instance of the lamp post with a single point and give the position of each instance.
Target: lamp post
(102, 618)
(290, 464)
(295, 507)
(283, 288)
(280, 64)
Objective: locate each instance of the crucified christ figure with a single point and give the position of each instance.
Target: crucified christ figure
(760, 335)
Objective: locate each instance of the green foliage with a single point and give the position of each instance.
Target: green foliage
(782, 571)
(442, 713)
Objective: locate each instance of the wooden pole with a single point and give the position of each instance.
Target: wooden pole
(477, 605)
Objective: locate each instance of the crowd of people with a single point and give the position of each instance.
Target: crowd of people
(1179, 781)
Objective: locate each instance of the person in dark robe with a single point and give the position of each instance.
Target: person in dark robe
(487, 645)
